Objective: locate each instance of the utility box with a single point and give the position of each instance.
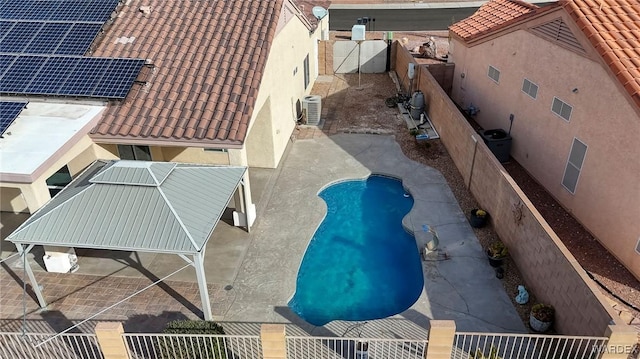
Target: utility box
(499, 142)
(357, 32)
(60, 259)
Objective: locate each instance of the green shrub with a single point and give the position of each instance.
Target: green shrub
(493, 354)
(192, 347)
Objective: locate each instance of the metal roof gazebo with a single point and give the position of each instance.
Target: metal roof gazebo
(158, 207)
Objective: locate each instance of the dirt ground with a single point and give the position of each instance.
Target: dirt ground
(355, 103)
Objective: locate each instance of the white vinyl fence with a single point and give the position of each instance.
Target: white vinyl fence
(525, 346)
(36, 346)
(186, 346)
(354, 348)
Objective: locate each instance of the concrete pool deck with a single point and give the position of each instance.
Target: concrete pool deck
(252, 275)
(463, 288)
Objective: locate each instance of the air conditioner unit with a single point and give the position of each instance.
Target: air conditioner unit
(312, 107)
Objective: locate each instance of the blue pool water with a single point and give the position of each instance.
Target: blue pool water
(360, 264)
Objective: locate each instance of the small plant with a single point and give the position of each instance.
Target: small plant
(493, 354)
(414, 132)
(543, 312)
(481, 213)
(497, 250)
(195, 346)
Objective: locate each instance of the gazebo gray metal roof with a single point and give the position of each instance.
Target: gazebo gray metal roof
(158, 207)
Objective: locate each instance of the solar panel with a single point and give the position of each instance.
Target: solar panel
(5, 27)
(9, 111)
(69, 76)
(48, 38)
(19, 36)
(79, 39)
(85, 77)
(5, 62)
(119, 78)
(57, 10)
(20, 74)
(52, 75)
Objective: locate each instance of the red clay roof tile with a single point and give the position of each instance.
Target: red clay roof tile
(491, 16)
(197, 53)
(618, 24)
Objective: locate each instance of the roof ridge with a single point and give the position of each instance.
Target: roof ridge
(177, 217)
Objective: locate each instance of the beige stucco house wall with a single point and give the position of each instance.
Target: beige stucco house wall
(283, 85)
(603, 117)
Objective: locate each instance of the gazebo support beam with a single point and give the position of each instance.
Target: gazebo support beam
(27, 267)
(198, 259)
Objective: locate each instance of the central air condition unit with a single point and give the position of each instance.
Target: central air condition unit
(312, 106)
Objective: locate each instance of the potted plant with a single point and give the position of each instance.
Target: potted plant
(541, 317)
(478, 218)
(496, 252)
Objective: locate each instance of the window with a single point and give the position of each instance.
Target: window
(494, 74)
(561, 108)
(58, 180)
(530, 88)
(574, 165)
(306, 71)
(134, 152)
(638, 246)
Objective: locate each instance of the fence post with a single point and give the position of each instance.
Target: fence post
(111, 341)
(274, 344)
(622, 338)
(441, 335)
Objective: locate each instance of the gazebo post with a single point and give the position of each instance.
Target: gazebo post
(27, 267)
(198, 259)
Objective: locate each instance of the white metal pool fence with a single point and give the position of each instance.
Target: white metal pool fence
(45, 346)
(526, 346)
(354, 348)
(186, 346)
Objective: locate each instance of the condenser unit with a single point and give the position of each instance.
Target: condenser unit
(312, 107)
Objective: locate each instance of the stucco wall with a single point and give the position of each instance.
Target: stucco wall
(607, 197)
(549, 270)
(281, 87)
(30, 196)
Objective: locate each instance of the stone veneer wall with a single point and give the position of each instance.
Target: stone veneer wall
(548, 268)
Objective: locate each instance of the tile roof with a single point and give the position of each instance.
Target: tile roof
(209, 58)
(491, 16)
(613, 28)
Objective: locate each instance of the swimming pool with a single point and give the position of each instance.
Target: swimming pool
(360, 264)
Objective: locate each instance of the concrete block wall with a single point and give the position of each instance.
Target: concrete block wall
(325, 57)
(548, 268)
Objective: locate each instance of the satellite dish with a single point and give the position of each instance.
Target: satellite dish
(319, 12)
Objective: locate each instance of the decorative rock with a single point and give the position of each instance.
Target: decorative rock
(523, 295)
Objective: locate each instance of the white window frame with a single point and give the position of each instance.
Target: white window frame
(307, 75)
(561, 108)
(575, 166)
(528, 92)
(495, 70)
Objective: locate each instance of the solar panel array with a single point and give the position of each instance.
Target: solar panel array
(9, 111)
(58, 10)
(60, 38)
(37, 35)
(68, 75)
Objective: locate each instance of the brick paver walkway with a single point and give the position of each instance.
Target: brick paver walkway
(75, 297)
